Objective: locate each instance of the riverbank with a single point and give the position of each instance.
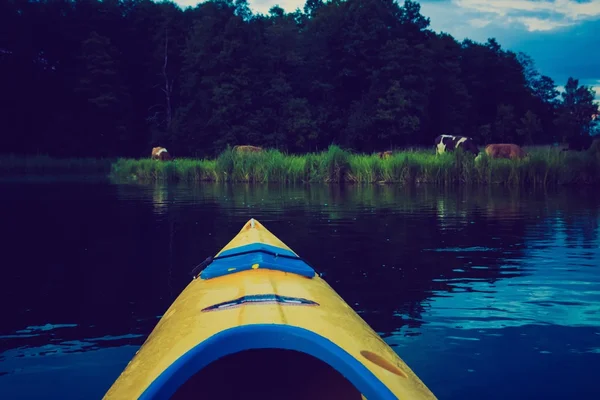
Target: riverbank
(545, 166)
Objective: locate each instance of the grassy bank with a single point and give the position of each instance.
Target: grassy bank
(545, 166)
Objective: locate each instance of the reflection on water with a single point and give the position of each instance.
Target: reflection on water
(473, 288)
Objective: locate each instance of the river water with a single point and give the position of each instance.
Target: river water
(486, 293)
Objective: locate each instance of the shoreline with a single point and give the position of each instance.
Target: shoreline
(547, 165)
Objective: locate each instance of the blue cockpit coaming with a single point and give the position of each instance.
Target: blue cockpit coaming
(258, 246)
(266, 336)
(258, 255)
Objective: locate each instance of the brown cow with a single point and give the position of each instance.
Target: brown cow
(385, 154)
(247, 149)
(505, 150)
(160, 153)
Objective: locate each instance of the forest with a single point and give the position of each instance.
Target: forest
(113, 78)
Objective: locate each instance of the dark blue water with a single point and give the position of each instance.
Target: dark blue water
(485, 293)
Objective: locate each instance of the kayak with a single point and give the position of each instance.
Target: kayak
(258, 321)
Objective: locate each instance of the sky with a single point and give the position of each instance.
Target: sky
(562, 36)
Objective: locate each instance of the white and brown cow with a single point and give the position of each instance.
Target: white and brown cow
(444, 143)
(160, 153)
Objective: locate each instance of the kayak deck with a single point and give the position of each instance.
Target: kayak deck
(264, 330)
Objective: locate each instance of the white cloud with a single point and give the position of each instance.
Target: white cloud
(552, 14)
(568, 8)
(187, 3)
(480, 22)
(257, 6)
(538, 24)
(263, 6)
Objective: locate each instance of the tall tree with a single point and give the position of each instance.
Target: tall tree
(530, 127)
(506, 124)
(106, 102)
(575, 112)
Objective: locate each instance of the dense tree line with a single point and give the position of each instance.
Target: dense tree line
(115, 77)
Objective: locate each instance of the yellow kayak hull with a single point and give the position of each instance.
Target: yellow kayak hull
(259, 321)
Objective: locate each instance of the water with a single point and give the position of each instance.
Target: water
(485, 293)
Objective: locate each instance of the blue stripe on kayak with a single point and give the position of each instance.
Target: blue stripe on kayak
(244, 262)
(265, 336)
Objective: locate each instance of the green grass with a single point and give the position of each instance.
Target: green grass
(545, 166)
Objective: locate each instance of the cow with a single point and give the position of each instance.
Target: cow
(445, 143)
(247, 149)
(505, 150)
(160, 153)
(385, 154)
(579, 143)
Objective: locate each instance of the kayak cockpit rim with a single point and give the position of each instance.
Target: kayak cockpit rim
(253, 256)
(265, 336)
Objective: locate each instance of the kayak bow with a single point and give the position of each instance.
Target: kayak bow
(259, 322)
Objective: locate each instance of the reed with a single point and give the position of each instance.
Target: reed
(544, 166)
(147, 170)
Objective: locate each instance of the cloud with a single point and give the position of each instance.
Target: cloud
(528, 15)
(257, 6)
(561, 36)
(570, 52)
(186, 3)
(542, 15)
(480, 22)
(539, 24)
(596, 88)
(263, 6)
